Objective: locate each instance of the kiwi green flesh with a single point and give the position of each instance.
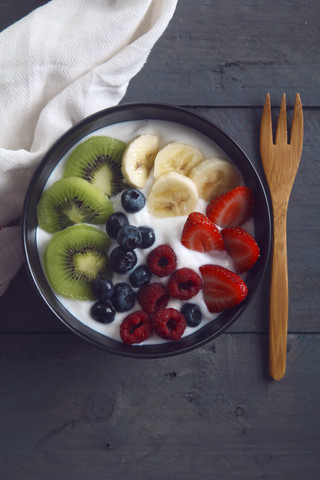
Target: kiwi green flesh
(98, 161)
(73, 258)
(72, 200)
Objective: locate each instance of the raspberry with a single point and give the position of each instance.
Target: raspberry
(135, 328)
(153, 297)
(184, 284)
(162, 261)
(169, 323)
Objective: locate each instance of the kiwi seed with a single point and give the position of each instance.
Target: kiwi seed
(72, 200)
(98, 161)
(74, 257)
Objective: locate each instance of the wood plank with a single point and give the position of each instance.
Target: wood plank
(226, 53)
(70, 410)
(232, 53)
(30, 314)
(11, 12)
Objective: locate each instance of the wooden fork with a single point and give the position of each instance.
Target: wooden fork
(280, 162)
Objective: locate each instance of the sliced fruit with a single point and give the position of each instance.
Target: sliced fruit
(214, 177)
(233, 208)
(138, 159)
(200, 234)
(98, 161)
(74, 258)
(171, 195)
(177, 157)
(222, 289)
(242, 247)
(72, 200)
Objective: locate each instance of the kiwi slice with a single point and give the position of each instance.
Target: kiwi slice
(74, 257)
(98, 161)
(72, 200)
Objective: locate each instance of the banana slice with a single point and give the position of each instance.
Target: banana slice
(177, 157)
(214, 176)
(172, 195)
(138, 159)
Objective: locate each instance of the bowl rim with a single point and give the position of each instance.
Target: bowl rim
(143, 111)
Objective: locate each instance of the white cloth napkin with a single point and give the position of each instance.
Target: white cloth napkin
(61, 63)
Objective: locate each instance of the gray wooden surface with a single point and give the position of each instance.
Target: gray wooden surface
(71, 411)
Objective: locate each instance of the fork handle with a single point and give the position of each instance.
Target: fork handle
(278, 314)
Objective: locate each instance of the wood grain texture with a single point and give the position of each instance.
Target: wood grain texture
(242, 50)
(69, 410)
(232, 53)
(280, 161)
(11, 12)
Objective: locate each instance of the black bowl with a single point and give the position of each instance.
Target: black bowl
(129, 112)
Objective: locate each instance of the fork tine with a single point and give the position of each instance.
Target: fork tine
(296, 136)
(281, 133)
(266, 124)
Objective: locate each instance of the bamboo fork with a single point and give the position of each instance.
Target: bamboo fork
(280, 162)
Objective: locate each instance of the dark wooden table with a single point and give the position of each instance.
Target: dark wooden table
(71, 411)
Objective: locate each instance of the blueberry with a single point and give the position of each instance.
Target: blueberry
(148, 236)
(123, 297)
(122, 261)
(129, 237)
(140, 276)
(192, 314)
(103, 312)
(133, 200)
(115, 222)
(102, 288)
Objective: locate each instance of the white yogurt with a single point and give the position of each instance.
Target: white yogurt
(168, 230)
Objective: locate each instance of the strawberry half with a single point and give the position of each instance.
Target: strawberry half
(222, 289)
(231, 209)
(242, 248)
(200, 234)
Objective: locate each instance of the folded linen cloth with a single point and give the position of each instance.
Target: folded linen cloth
(61, 63)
